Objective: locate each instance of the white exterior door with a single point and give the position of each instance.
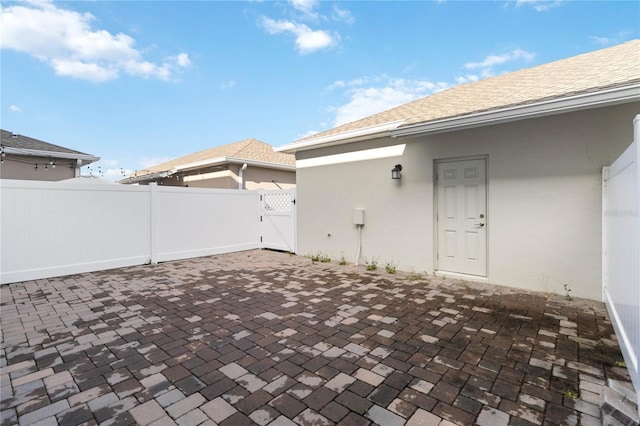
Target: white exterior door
(462, 217)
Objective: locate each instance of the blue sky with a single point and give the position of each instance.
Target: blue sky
(140, 82)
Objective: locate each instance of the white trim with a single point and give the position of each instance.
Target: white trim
(339, 138)
(350, 157)
(230, 160)
(539, 109)
(459, 276)
(51, 154)
(263, 164)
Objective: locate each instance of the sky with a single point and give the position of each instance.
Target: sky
(138, 83)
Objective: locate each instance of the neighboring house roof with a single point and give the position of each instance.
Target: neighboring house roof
(612, 73)
(13, 143)
(250, 151)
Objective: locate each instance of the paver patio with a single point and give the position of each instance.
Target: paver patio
(268, 338)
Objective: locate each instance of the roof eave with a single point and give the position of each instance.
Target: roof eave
(356, 135)
(263, 164)
(85, 158)
(597, 99)
(205, 163)
(232, 160)
(145, 178)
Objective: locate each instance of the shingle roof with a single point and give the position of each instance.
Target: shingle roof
(248, 149)
(25, 142)
(590, 72)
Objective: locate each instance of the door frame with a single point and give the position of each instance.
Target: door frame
(436, 162)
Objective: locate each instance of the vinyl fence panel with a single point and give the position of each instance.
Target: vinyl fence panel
(56, 228)
(621, 251)
(49, 229)
(194, 222)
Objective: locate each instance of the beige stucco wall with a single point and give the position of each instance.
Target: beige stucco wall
(260, 178)
(544, 199)
(23, 168)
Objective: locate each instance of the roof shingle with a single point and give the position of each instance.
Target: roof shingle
(248, 149)
(12, 140)
(586, 73)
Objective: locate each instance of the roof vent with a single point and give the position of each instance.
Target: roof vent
(14, 135)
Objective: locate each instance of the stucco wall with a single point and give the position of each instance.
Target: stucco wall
(23, 168)
(544, 199)
(260, 178)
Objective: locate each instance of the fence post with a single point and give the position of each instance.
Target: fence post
(605, 236)
(153, 222)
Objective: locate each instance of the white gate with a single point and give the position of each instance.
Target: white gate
(278, 219)
(621, 251)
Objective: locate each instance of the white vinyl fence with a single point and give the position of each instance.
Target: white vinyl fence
(621, 251)
(50, 229)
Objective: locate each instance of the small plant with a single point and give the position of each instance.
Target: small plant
(372, 264)
(319, 257)
(342, 261)
(568, 292)
(390, 267)
(570, 394)
(620, 364)
(415, 276)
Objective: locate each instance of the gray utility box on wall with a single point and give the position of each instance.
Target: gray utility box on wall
(358, 217)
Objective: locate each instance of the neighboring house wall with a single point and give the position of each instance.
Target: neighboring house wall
(223, 179)
(260, 178)
(23, 168)
(543, 192)
(253, 178)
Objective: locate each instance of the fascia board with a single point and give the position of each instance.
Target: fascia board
(340, 138)
(201, 163)
(540, 109)
(231, 160)
(263, 164)
(86, 158)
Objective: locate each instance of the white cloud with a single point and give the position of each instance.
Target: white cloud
(307, 40)
(336, 85)
(540, 5)
(493, 60)
(228, 85)
(342, 15)
(15, 108)
(616, 39)
(486, 67)
(304, 6)
(467, 79)
(365, 101)
(106, 169)
(307, 134)
(66, 40)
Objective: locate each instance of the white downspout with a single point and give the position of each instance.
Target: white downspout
(241, 176)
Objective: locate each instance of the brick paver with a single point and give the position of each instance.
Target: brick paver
(268, 338)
